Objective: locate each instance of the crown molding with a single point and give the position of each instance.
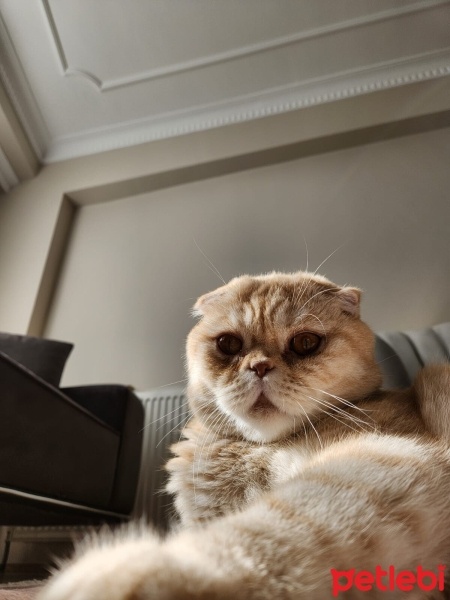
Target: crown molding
(227, 56)
(293, 97)
(8, 177)
(288, 98)
(20, 95)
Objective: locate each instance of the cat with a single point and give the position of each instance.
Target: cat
(298, 476)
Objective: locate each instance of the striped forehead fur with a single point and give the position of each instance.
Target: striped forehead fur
(259, 300)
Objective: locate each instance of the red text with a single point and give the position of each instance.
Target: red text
(388, 580)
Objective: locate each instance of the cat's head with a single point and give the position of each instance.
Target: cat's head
(271, 352)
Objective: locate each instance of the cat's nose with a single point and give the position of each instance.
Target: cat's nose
(261, 367)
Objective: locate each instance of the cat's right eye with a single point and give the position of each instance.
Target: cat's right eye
(305, 343)
(229, 344)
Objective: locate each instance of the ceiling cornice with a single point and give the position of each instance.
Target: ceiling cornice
(301, 96)
(8, 177)
(16, 86)
(322, 90)
(18, 161)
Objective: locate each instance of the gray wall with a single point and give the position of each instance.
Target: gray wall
(133, 269)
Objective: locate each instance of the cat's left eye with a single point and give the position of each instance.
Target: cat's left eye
(305, 343)
(229, 344)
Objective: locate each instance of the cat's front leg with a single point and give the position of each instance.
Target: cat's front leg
(212, 476)
(106, 570)
(133, 568)
(198, 564)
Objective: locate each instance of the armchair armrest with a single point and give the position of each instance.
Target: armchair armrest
(117, 406)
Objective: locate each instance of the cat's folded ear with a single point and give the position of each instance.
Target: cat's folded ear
(208, 300)
(350, 300)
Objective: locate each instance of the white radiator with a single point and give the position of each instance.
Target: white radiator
(166, 413)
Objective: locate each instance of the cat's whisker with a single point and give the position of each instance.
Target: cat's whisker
(303, 287)
(328, 257)
(303, 316)
(197, 453)
(346, 402)
(175, 410)
(311, 423)
(229, 428)
(358, 428)
(147, 425)
(182, 432)
(331, 289)
(216, 418)
(329, 412)
(210, 438)
(335, 409)
(187, 423)
(338, 408)
(168, 414)
(173, 383)
(343, 413)
(388, 358)
(307, 252)
(167, 434)
(304, 429)
(321, 410)
(213, 268)
(165, 415)
(183, 414)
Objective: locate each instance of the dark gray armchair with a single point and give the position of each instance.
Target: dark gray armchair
(67, 456)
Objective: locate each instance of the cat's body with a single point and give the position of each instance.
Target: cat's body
(295, 463)
(214, 476)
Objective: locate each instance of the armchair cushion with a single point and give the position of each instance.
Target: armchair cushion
(45, 358)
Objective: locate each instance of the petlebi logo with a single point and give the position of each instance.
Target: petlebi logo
(388, 580)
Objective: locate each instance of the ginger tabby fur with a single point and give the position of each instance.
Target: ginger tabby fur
(295, 461)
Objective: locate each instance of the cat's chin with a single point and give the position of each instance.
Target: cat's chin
(263, 422)
(265, 431)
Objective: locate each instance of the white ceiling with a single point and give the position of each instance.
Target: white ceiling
(86, 76)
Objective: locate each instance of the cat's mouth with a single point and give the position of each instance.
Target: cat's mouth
(263, 406)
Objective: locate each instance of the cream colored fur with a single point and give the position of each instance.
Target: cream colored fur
(282, 477)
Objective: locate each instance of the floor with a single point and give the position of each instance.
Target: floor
(32, 553)
(16, 573)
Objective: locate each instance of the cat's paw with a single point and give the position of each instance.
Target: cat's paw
(197, 482)
(192, 498)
